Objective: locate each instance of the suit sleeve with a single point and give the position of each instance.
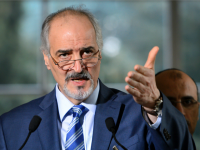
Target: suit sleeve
(2, 140)
(173, 129)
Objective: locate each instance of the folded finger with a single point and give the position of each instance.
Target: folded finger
(137, 77)
(143, 70)
(132, 91)
(133, 83)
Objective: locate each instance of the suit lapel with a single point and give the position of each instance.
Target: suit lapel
(106, 107)
(48, 129)
(101, 135)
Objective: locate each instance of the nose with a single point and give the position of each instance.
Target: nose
(180, 108)
(78, 66)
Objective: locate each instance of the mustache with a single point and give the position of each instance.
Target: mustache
(84, 75)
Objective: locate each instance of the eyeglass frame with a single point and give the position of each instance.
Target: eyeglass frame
(193, 103)
(81, 59)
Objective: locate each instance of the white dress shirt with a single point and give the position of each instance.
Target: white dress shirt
(64, 105)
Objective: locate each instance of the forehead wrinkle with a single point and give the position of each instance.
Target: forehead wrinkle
(75, 42)
(71, 39)
(82, 42)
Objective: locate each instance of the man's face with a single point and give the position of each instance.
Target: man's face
(181, 89)
(73, 37)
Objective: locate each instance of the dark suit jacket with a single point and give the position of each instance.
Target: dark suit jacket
(132, 130)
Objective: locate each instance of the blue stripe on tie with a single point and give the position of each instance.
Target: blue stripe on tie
(75, 139)
(73, 123)
(80, 146)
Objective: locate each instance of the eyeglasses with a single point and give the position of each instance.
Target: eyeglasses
(88, 61)
(187, 102)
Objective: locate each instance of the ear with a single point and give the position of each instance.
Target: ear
(46, 61)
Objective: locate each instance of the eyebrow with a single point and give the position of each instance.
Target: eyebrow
(188, 97)
(184, 97)
(63, 51)
(88, 48)
(70, 50)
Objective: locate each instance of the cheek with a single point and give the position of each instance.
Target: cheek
(94, 72)
(196, 114)
(193, 114)
(59, 75)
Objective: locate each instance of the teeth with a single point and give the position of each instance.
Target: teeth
(77, 80)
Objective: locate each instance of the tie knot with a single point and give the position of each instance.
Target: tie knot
(78, 110)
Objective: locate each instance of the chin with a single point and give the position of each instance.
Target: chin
(80, 93)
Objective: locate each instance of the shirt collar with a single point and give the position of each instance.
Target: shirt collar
(64, 105)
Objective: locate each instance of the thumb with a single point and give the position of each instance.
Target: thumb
(151, 58)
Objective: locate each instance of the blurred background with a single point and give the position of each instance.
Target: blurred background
(130, 29)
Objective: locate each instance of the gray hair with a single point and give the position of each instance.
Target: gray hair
(45, 46)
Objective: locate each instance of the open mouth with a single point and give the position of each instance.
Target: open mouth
(79, 79)
(80, 82)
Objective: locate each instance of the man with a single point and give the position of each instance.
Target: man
(74, 113)
(182, 91)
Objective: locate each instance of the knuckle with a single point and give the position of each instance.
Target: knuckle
(132, 74)
(140, 78)
(148, 83)
(139, 84)
(152, 73)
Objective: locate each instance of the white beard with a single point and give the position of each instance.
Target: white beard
(79, 94)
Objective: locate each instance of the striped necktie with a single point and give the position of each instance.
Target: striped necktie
(74, 139)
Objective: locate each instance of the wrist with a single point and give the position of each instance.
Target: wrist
(158, 106)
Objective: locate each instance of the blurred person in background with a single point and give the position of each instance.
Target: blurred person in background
(182, 91)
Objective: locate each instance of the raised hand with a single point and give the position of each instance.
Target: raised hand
(142, 83)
